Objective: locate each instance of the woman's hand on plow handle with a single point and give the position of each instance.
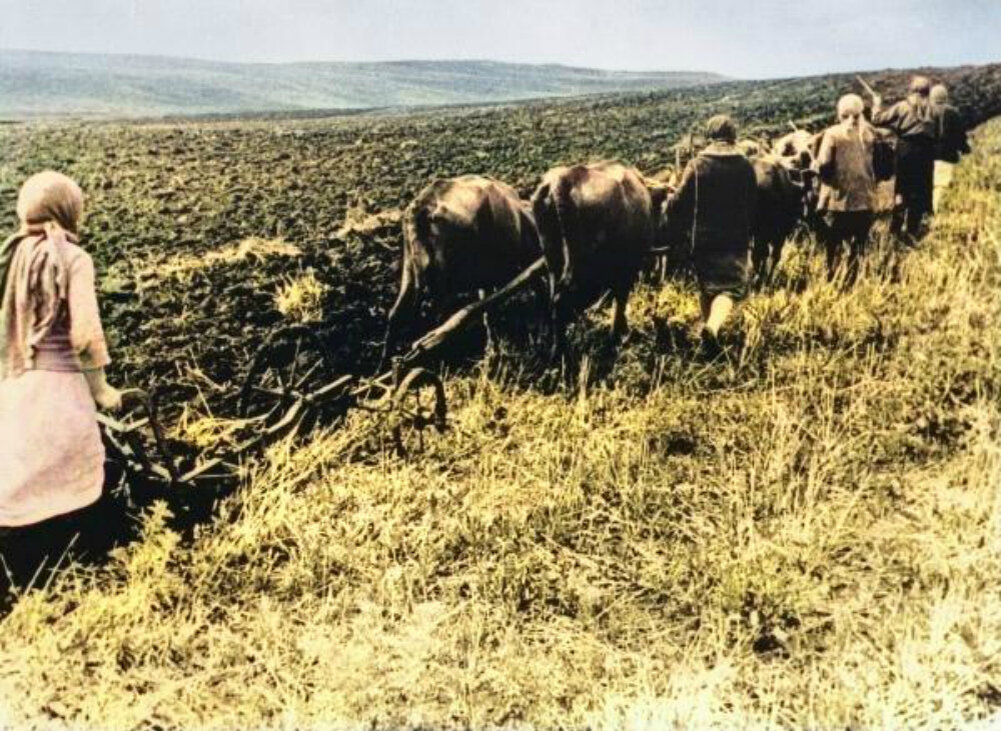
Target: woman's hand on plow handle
(106, 396)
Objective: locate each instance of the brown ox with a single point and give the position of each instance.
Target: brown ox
(796, 152)
(787, 195)
(797, 149)
(596, 223)
(780, 205)
(460, 235)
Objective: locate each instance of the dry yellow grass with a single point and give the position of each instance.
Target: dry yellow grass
(251, 247)
(204, 431)
(359, 222)
(301, 298)
(804, 535)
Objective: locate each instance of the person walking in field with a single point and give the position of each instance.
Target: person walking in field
(952, 141)
(914, 124)
(52, 360)
(845, 166)
(710, 216)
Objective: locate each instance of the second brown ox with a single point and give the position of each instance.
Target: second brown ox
(466, 234)
(596, 223)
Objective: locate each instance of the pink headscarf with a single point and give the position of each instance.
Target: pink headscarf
(33, 276)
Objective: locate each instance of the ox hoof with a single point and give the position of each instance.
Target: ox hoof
(621, 338)
(709, 344)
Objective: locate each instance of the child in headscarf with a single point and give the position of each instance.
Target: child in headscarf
(52, 360)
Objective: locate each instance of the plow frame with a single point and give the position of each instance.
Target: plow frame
(289, 406)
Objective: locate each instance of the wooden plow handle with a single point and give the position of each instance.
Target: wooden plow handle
(133, 398)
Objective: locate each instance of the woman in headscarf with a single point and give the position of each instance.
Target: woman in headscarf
(913, 121)
(952, 142)
(52, 360)
(848, 184)
(710, 216)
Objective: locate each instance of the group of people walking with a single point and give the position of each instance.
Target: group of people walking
(53, 352)
(928, 130)
(915, 141)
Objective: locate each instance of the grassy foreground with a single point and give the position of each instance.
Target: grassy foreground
(807, 534)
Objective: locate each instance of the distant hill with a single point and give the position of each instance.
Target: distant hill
(34, 84)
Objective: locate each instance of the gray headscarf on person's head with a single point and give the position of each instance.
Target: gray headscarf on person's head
(917, 97)
(850, 104)
(939, 95)
(33, 276)
(920, 85)
(850, 108)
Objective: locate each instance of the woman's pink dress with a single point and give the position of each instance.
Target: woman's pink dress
(51, 455)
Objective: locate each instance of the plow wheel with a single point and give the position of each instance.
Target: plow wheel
(290, 366)
(418, 403)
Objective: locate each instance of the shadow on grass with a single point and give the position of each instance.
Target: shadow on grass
(32, 556)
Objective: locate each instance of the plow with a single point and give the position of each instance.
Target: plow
(289, 388)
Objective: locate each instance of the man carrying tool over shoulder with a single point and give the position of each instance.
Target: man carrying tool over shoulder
(914, 123)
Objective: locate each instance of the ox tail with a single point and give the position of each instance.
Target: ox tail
(546, 223)
(568, 219)
(416, 227)
(417, 236)
(555, 217)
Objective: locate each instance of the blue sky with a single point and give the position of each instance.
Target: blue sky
(745, 38)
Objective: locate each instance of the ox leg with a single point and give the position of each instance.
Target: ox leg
(833, 254)
(776, 258)
(543, 297)
(558, 319)
(490, 346)
(403, 308)
(557, 324)
(759, 260)
(620, 326)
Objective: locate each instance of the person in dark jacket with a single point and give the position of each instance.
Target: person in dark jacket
(952, 142)
(710, 216)
(913, 121)
(848, 184)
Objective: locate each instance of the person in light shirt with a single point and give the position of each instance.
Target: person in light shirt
(52, 360)
(847, 198)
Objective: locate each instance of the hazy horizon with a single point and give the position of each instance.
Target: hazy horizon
(485, 60)
(401, 60)
(774, 38)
